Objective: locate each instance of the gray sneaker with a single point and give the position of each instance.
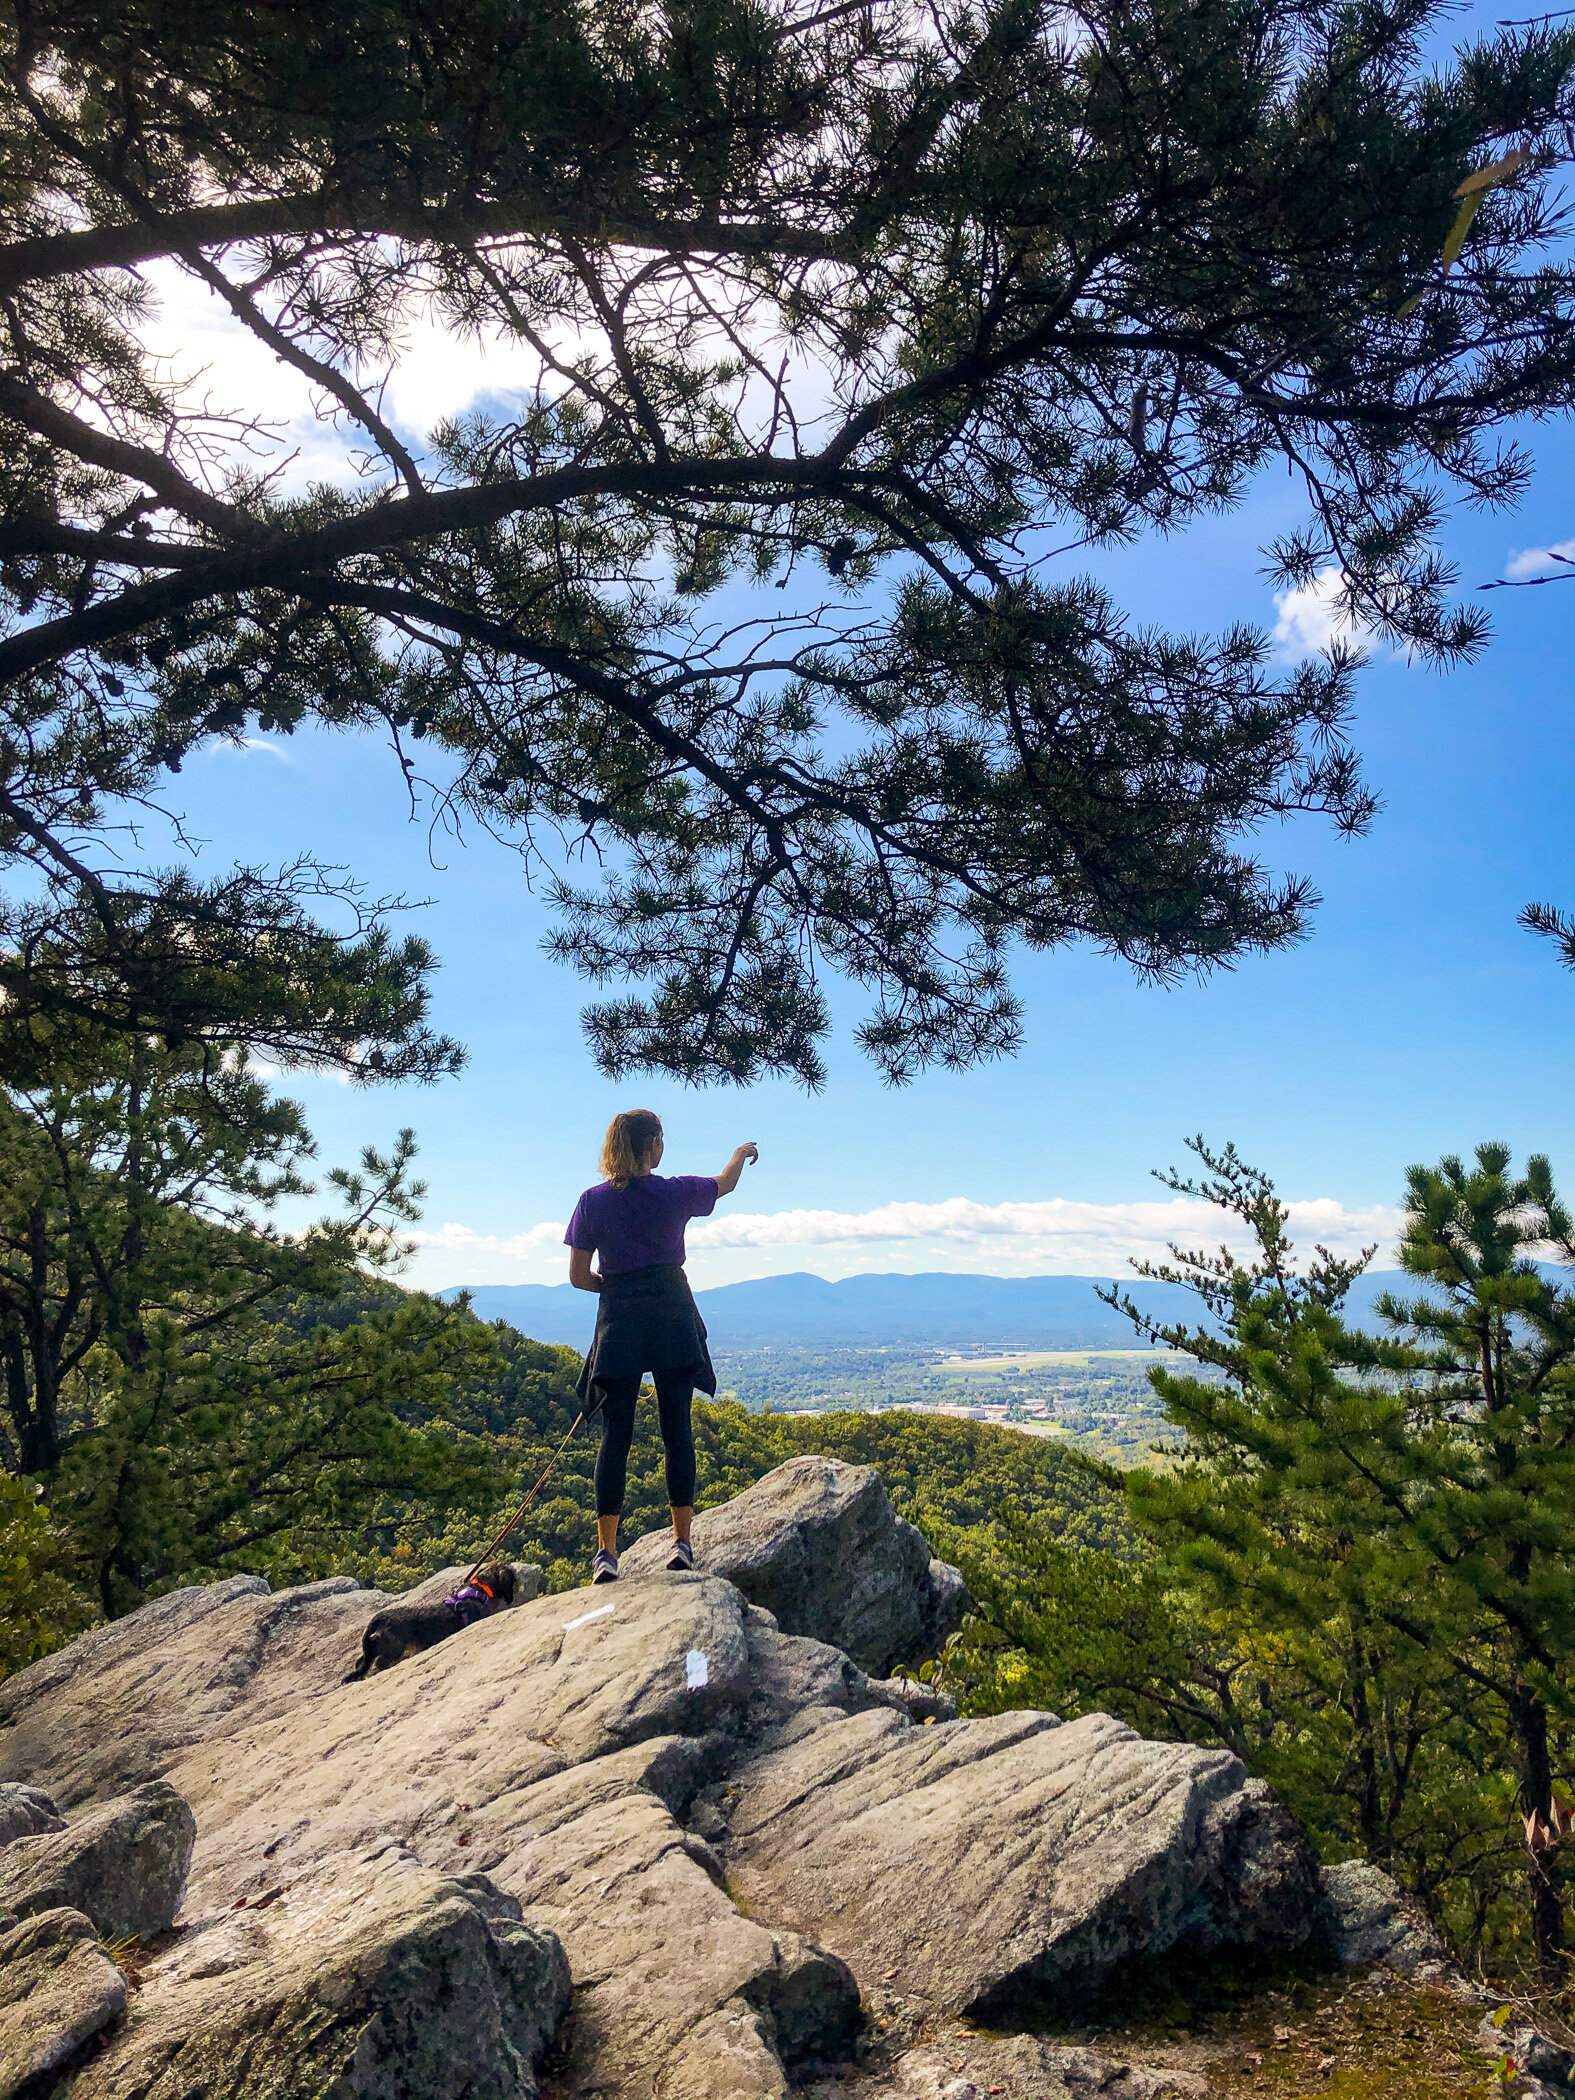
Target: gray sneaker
(604, 1568)
(682, 1558)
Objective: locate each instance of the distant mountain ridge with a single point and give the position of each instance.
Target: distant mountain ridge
(939, 1309)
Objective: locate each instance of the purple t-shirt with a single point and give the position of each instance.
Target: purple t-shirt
(637, 1226)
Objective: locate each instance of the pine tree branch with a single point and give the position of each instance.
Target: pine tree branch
(36, 412)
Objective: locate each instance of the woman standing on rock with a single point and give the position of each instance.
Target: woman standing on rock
(647, 1319)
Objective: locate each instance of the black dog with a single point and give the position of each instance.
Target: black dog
(405, 1629)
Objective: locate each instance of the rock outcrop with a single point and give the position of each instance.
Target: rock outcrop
(123, 1866)
(1007, 1859)
(818, 1545)
(1368, 1918)
(376, 1976)
(739, 1840)
(26, 1811)
(58, 1988)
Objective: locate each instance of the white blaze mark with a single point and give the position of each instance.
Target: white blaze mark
(585, 1618)
(697, 1671)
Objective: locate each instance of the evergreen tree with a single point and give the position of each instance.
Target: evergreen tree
(862, 301)
(1489, 1488)
(39, 1606)
(1394, 1512)
(159, 1375)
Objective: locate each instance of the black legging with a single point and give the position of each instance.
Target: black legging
(674, 1392)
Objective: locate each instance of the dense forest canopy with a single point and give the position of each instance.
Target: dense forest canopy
(881, 305)
(173, 1377)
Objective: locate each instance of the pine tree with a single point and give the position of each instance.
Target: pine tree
(864, 302)
(1406, 1498)
(163, 1378)
(1491, 1502)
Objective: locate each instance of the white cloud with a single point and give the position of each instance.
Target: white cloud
(1051, 1237)
(1311, 619)
(440, 375)
(263, 743)
(1055, 1235)
(519, 1246)
(1537, 561)
(435, 375)
(285, 1078)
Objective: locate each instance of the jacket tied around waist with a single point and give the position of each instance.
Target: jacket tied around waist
(646, 1320)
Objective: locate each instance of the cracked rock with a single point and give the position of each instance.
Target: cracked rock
(58, 1988)
(124, 1865)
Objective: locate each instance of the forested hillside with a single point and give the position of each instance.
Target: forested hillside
(938, 1472)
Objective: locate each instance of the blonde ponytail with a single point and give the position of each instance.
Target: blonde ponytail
(631, 1139)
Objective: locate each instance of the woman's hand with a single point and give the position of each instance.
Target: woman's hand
(727, 1180)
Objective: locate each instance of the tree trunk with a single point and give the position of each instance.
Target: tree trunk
(1529, 1719)
(19, 1403)
(39, 1430)
(41, 1437)
(1371, 1819)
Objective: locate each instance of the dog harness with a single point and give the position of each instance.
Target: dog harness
(470, 1602)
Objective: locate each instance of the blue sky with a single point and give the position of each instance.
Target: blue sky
(1417, 1020)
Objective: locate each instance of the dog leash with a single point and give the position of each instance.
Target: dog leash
(530, 1498)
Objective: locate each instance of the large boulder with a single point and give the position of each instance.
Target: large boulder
(818, 1545)
(147, 1628)
(215, 1658)
(58, 1988)
(124, 1865)
(670, 1974)
(988, 1863)
(195, 1661)
(372, 1976)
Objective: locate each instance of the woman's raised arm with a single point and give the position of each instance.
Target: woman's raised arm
(727, 1180)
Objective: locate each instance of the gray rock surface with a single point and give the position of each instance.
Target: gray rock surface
(93, 1724)
(150, 1625)
(730, 1829)
(1021, 2065)
(906, 1695)
(123, 1865)
(372, 1975)
(948, 1602)
(58, 1988)
(971, 2064)
(990, 1861)
(26, 1811)
(1368, 1918)
(817, 1544)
